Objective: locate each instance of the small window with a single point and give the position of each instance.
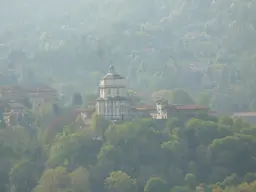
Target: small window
(109, 92)
(117, 91)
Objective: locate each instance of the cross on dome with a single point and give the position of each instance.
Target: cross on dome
(111, 69)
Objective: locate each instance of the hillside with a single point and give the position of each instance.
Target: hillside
(151, 42)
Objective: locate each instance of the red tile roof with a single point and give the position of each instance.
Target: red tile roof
(245, 114)
(177, 107)
(145, 107)
(189, 107)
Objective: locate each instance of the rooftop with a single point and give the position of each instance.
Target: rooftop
(244, 114)
(145, 107)
(177, 107)
(189, 107)
(37, 87)
(16, 106)
(112, 74)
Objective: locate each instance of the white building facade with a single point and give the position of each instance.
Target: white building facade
(161, 108)
(112, 102)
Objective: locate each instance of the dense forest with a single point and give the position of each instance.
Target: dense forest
(203, 153)
(188, 51)
(202, 46)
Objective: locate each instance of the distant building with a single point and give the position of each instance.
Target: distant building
(14, 113)
(16, 99)
(37, 94)
(85, 116)
(162, 110)
(146, 110)
(249, 117)
(165, 110)
(8, 93)
(8, 79)
(112, 102)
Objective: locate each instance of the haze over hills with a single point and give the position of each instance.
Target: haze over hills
(151, 42)
(199, 55)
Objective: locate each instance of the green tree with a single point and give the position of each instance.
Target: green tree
(54, 180)
(100, 125)
(109, 157)
(180, 189)
(7, 158)
(17, 138)
(24, 176)
(155, 185)
(173, 123)
(90, 98)
(68, 149)
(225, 120)
(180, 96)
(174, 151)
(120, 181)
(134, 99)
(77, 100)
(204, 99)
(80, 180)
(253, 104)
(250, 177)
(190, 180)
(231, 150)
(230, 181)
(166, 94)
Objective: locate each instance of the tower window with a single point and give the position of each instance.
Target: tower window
(109, 92)
(117, 91)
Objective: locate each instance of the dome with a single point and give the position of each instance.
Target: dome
(112, 74)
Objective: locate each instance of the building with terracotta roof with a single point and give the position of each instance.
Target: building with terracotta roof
(40, 93)
(8, 93)
(36, 93)
(146, 110)
(249, 117)
(15, 97)
(164, 109)
(113, 102)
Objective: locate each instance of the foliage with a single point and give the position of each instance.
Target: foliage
(191, 45)
(80, 180)
(156, 184)
(180, 96)
(188, 52)
(53, 180)
(77, 99)
(24, 176)
(178, 154)
(120, 181)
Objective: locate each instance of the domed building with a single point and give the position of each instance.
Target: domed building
(112, 103)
